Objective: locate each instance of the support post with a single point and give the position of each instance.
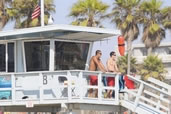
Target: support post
(69, 86)
(138, 95)
(41, 87)
(159, 102)
(80, 85)
(52, 55)
(99, 86)
(169, 91)
(42, 13)
(117, 88)
(13, 88)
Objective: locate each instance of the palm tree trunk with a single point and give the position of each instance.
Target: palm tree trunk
(1, 27)
(3, 22)
(129, 44)
(90, 21)
(149, 51)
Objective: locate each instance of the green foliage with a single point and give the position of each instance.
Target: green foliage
(4, 18)
(21, 11)
(123, 66)
(166, 17)
(150, 14)
(152, 67)
(87, 12)
(154, 28)
(124, 15)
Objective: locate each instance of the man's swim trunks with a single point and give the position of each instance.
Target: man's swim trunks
(93, 80)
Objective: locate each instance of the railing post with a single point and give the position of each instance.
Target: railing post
(117, 88)
(41, 87)
(99, 86)
(159, 102)
(138, 95)
(13, 88)
(169, 91)
(80, 85)
(69, 86)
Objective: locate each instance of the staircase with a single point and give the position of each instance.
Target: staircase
(150, 98)
(68, 91)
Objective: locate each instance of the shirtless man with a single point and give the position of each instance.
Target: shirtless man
(111, 67)
(95, 64)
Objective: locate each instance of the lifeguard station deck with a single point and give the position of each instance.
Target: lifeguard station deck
(45, 70)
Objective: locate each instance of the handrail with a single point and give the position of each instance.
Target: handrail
(37, 72)
(159, 83)
(159, 98)
(80, 86)
(147, 84)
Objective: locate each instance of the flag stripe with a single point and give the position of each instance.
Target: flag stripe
(36, 12)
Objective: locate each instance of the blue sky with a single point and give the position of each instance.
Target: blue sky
(61, 17)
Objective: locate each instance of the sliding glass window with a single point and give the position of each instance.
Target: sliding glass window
(70, 55)
(11, 57)
(7, 57)
(37, 55)
(2, 58)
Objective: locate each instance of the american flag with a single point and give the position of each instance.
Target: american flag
(36, 12)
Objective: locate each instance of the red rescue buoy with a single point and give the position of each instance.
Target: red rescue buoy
(121, 45)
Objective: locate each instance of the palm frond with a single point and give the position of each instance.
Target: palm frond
(123, 66)
(166, 17)
(93, 10)
(22, 9)
(152, 67)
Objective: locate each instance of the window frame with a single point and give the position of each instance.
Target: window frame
(88, 54)
(52, 52)
(24, 54)
(6, 56)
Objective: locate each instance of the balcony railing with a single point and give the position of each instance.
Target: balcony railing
(36, 88)
(70, 87)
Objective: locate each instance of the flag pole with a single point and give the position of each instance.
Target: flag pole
(42, 13)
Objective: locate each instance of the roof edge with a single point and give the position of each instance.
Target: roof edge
(59, 27)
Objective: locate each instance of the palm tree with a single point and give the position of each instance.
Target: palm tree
(125, 17)
(152, 67)
(3, 14)
(123, 64)
(166, 17)
(21, 11)
(88, 12)
(153, 32)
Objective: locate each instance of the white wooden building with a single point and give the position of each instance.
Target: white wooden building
(44, 69)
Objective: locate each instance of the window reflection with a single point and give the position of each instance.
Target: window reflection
(10, 57)
(70, 55)
(10, 53)
(2, 58)
(37, 55)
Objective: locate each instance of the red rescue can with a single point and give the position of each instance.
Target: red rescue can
(121, 45)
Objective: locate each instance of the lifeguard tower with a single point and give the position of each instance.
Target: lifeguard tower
(44, 69)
